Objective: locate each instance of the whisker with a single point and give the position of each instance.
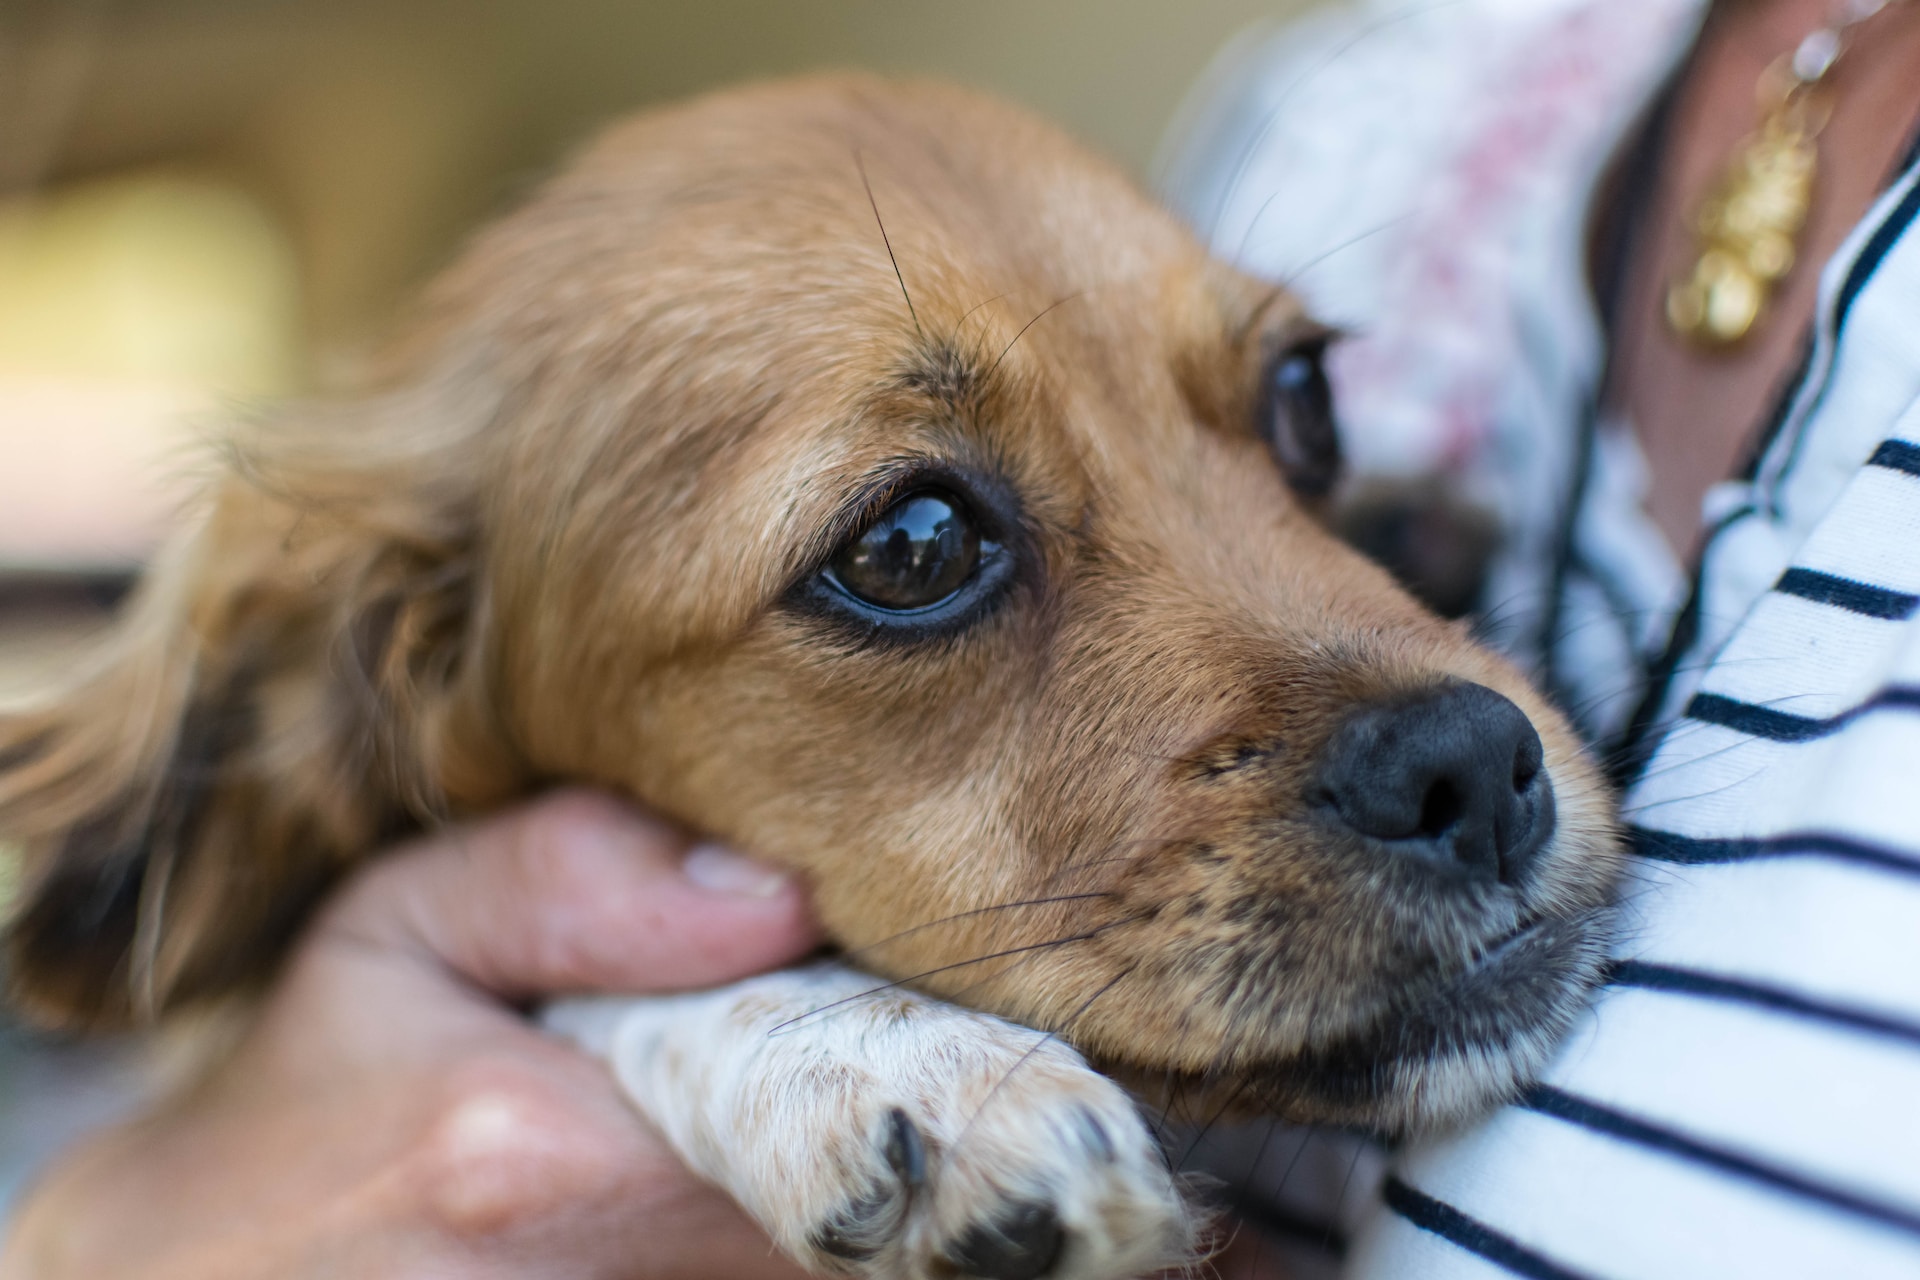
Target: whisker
(1108, 858)
(1057, 302)
(977, 911)
(1676, 766)
(1280, 1187)
(1046, 1039)
(1166, 1109)
(959, 994)
(1252, 147)
(957, 964)
(1207, 1128)
(984, 302)
(1340, 1201)
(1260, 1237)
(861, 165)
(1294, 275)
(1636, 811)
(1260, 1153)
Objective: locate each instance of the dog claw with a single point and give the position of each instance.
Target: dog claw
(905, 1151)
(1020, 1245)
(1099, 1141)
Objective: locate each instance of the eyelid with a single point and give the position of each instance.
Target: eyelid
(1280, 322)
(880, 489)
(1313, 337)
(983, 493)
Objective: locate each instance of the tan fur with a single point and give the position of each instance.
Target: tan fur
(559, 538)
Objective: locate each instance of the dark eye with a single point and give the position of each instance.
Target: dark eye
(1297, 417)
(920, 551)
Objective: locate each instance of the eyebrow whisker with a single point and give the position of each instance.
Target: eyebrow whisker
(861, 165)
(1057, 302)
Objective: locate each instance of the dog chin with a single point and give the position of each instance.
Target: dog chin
(1443, 1052)
(1434, 1055)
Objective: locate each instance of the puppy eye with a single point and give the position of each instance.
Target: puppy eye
(1297, 418)
(920, 552)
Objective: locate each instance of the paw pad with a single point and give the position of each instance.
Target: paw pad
(1021, 1244)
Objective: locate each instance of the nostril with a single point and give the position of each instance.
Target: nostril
(1529, 757)
(1440, 809)
(1453, 775)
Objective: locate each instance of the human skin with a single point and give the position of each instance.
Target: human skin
(390, 1113)
(1695, 410)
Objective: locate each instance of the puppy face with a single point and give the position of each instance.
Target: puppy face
(864, 475)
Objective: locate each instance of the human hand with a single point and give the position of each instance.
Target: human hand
(390, 1114)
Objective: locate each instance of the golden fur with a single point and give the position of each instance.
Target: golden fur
(563, 535)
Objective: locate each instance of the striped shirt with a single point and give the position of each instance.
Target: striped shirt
(1744, 1098)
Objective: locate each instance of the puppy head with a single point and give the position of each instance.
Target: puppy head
(865, 475)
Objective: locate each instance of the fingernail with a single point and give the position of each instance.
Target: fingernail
(724, 871)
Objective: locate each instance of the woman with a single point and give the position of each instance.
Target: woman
(1643, 278)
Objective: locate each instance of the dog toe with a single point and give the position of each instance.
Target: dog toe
(860, 1229)
(866, 1223)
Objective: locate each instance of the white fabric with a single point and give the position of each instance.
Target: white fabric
(1422, 172)
(1419, 171)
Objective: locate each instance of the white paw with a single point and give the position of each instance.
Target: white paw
(894, 1136)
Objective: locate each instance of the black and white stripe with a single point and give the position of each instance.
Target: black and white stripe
(1745, 1100)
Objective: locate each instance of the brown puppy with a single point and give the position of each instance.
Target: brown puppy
(989, 592)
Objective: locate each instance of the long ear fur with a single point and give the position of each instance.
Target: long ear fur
(300, 676)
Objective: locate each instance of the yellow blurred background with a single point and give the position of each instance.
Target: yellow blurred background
(204, 201)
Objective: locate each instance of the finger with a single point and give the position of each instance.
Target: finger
(553, 1173)
(578, 893)
(710, 1236)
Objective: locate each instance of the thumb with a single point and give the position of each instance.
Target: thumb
(579, 893)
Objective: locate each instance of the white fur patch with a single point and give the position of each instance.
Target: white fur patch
(795, 1092)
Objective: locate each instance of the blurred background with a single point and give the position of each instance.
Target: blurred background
(206, 202)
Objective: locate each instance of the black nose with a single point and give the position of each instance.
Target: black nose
(1451, 774)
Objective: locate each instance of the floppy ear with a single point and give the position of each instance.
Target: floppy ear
(299, 677)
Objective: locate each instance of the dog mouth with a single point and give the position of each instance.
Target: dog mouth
(1497, 952)
(1441, 1049)
(1445, 1049)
